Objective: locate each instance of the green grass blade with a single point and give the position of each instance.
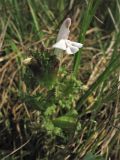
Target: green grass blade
(90, 11)
(111, 67)
(35, 19)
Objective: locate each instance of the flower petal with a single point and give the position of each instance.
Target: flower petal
(76, 44)
(60, 44)
(69, 46)
(64, 30)
(70, 49)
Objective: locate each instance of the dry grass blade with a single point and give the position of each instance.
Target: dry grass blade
(102, 64)
(4, 32)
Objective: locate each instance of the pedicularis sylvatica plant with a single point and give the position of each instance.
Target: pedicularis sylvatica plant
(57, 105)
(63, 43)
(70, 47)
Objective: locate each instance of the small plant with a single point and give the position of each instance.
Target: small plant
(59, 111)
(60, 102)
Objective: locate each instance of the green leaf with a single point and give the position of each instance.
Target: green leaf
(68, 121)
(91, 156)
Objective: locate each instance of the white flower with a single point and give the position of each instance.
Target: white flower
(69, 46)
(62, 39)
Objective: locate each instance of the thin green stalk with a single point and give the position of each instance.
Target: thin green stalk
(90, 11)
(35, 19)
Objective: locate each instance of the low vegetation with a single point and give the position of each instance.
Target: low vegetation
(53, 111)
